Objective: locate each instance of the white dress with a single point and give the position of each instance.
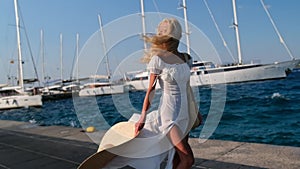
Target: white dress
(173, 79)
(152, 146)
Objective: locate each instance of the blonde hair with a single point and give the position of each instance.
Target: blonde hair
(159, 45)
(167, 38)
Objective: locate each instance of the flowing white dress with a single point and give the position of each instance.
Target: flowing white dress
(152, 145)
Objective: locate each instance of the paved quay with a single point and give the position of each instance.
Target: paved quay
(27, 146)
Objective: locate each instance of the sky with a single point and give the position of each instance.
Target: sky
(122, 28)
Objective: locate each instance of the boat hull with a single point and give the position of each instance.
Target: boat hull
(20, 101)
(58, 96)
(237, 74)
(230, 74)
(105, 90)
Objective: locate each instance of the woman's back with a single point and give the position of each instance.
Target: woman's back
(173, 77)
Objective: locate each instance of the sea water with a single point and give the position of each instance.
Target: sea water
(261, 112)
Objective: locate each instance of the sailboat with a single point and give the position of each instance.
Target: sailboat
(138, 80)
(15, 96)
(59, 89)
(207, 73)
(101, 84)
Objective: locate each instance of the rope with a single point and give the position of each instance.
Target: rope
(276, 29)
(29, 46)
(156, 8)
(219, 31)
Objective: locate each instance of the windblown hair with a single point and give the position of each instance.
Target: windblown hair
(157, 48)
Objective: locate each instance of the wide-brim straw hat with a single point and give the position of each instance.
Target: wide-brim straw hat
(112, 142)
(170, 27)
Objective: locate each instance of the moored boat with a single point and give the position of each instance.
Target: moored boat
(15, 96)
(207, 73)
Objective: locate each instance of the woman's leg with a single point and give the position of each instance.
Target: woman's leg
(176, 160)
(183, 149)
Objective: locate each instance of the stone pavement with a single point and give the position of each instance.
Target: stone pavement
(27, 146)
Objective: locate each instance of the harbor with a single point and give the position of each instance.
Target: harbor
(24, 145)
(20, 92)
(260, 138)
(54, 85)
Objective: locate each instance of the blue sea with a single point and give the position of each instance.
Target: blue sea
(260, 112)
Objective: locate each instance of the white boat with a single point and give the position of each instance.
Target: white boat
(137, 80)
(15, 96)
(59, 91)
(101, 88)
(101, 84)
(242, 72)
(206, 73)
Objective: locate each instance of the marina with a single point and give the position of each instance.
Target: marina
(260, 112)
(250, 102)
(203, 73)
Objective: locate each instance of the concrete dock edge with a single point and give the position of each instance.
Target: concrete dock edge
(27, 146)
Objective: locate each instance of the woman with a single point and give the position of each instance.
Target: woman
(171, 69)
(163, 132)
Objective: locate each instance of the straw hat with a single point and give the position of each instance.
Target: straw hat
(171, 27)
(112, 142)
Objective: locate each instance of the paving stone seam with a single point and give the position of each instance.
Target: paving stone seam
(3, 166)
(40, 153)
(229, 151)
(50, 138)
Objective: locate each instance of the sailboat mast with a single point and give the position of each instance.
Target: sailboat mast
(77, 56)
(104, 46)
(236, 28)
(143, 22)
(61, 57)
(21, 82)
(187, 32)
(43, 56)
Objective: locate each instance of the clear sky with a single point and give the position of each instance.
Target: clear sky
(258, 38)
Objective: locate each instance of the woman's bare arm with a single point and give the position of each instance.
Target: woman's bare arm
(147, 101)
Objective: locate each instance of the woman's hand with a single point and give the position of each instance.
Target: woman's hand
(140, 124)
